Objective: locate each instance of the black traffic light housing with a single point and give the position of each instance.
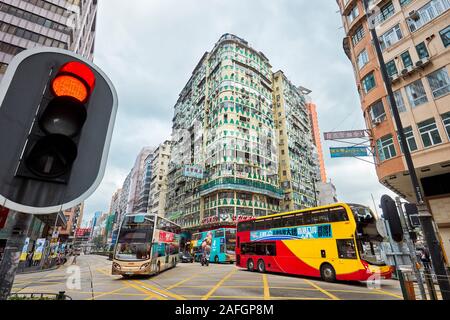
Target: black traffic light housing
(57, 114)
(52, 145)
(413, 214)
(390, 213)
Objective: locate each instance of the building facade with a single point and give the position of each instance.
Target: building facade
(65, 24)
(137, 182)
(225, 149)
(298, 157)
(159, 164)
(74, 218)
(415, 40)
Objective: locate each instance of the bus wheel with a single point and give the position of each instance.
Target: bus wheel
(250, 265)
(216, 259)
(328, 273)
(261, 266)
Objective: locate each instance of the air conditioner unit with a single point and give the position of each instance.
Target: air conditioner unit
(377, 122)
(422, 62)
(414, 15)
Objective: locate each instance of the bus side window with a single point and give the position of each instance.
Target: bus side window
(346, 249)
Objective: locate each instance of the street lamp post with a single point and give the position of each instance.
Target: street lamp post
(426, 219)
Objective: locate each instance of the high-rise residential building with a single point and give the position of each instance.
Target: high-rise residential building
(159, 164)
(314, 120)
(74, 218)
(415, 41)
(224, 164)
(298, 164)
(137, 183)
(65, 24)
(142, 203)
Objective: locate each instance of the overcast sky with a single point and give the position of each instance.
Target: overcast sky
(150, 48)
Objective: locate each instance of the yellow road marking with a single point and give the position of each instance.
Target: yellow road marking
(105, 294)
(148, 292)
(332, 296)
(266, 288)
(161, 291)
(181, 282)
(292, 288)
(389, 293)
(217, 286)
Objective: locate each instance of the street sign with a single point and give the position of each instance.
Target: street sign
(57, 114)
(354, 134)
(349, 152)
(193, 171)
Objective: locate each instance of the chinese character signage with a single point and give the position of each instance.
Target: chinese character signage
(310, 232)
(167, 237)
(196, 172)
(349, 152)
(355, 134)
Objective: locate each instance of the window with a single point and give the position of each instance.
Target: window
(446, 121)
(422, 50)
(399, 101)
(390, 37)
(406, 58)
(445, 36)
(359, 34)
(259, 249)
(405, 2)
(391, 68)
(377, 111)
(362, 59)
(416, 93)
(429, 132)
(427, 13)
(387, 11)
(346, 249)
(368, 82)
(353, 14)
(412, 145)
(386, 148)
(439, 83)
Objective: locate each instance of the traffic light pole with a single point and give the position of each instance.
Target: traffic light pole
(411, 248)
(11, 259)
(426, 219)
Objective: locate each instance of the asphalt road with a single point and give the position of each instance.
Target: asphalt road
(91, 279)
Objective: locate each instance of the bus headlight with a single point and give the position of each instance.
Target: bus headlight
(144, 266)
(116, 266)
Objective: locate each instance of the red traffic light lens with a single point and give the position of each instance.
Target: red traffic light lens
(75, 80)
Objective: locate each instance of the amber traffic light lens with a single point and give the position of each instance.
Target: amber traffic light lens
(69, 86)
(63, 115)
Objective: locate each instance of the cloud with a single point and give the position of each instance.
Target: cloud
(150, 48)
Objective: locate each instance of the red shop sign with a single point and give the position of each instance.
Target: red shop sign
(166, 236)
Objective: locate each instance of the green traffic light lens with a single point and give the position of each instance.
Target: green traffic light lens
(52, 156)
(63, 115)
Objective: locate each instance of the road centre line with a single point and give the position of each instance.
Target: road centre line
(332, 296)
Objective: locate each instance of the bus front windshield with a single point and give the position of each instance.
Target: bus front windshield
(368, 238)
(135, 237)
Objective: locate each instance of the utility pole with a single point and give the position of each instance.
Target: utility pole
(16, 241)
(426, 219)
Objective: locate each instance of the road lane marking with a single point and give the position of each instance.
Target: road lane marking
(217, 286)
(329, 294)
(181, 282)
(389, 293)
(106, 293)
(266, 288)
(161, 291)
(149, 293)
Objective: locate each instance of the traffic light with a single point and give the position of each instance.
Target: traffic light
(57, 113)
(390, 213)
(413, 214)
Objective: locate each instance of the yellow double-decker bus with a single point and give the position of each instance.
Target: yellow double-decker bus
(335, 242)
(147, 244)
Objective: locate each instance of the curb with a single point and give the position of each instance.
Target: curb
(39, 271)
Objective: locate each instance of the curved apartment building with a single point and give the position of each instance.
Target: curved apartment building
(415, 40)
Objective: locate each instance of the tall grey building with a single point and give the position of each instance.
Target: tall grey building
(65, 24)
